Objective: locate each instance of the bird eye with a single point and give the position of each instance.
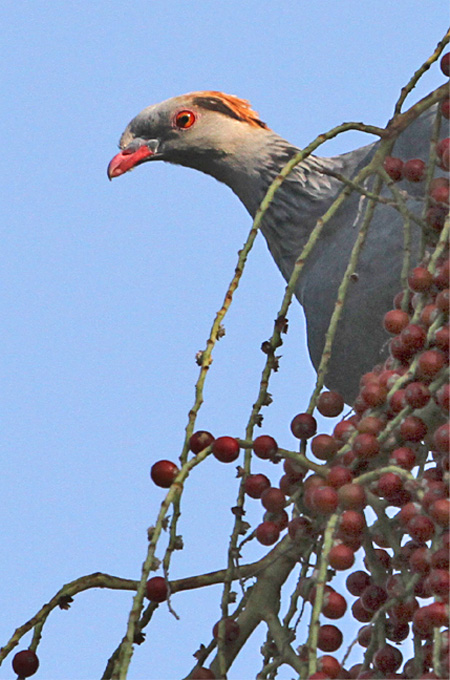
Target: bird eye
(184, 119)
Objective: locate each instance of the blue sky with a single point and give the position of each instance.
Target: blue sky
(109, 289)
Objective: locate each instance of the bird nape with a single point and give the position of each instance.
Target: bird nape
(222, 136)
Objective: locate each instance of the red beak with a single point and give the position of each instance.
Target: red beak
(126, 160)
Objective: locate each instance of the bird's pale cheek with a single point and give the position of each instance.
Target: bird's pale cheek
(124, 161)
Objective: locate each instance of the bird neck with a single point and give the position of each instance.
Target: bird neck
(249, 164)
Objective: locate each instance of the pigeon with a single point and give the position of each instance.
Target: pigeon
(222, 136)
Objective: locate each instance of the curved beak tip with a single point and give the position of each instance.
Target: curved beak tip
(125, 161)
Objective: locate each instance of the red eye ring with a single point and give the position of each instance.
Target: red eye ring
(184, 119)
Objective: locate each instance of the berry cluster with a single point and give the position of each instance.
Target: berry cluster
(384, 473)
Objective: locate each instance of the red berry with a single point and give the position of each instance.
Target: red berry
(254, 485)
(273, 499)
(445, 108)
(435, 216)
(225, 449)
(352, 496)
(281, 518)
(371, 425)
(445, 64)
(357, 582)
(156, 589)
(395, 321)
(404, 457)
(388, 485)
(334, 605)
(417, 394)
(230, 630)
(420, 560)
(352, 522)
(374, 394)
(440, 559)
(393, 167)
(443, 397)
(441, 438)
(438, 581)
(304, 426)
(440, 511)
(25, 663)
(329, 639)
(443, 301)
(329, 666)
(364, 636)
(428, 315)
(396, 631)
(200, 440)
(414, 170)
(325, 500)
(373, 597)
(330, 404)
(403, 611)
(387, 659)
(267, 533)
(343, 431)
(431, 616)
(338, 476)
(265, 446)
(359, 613)
(413, 337)
(420, 280)
(163, 473)
(341, 557)
(408, 511)
(324, 446)
(366, 446)
(442, 147)
(420, 528)
(430, 364)
(413, 429)
(442, 339)
(439, 190)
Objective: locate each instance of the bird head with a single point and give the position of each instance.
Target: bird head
(195, 130)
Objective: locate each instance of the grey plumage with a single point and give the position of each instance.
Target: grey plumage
(227, 140)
